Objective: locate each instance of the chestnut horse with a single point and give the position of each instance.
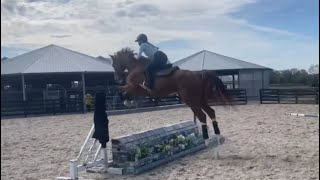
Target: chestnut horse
(194, 87)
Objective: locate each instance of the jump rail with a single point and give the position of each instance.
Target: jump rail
(302, 115)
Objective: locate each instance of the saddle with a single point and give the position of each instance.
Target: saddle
(167, 70)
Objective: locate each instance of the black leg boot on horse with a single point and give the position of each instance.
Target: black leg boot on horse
(197, 111)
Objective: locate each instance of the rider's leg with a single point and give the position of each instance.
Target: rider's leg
(151, 78)
(150, 72)
(159, 61)
(164, 59)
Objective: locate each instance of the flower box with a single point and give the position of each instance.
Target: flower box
(143, 151)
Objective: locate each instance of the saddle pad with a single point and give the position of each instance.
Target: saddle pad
(167, 72)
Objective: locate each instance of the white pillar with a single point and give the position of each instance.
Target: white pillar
(203, 59)
(23, 88)
(233, 82)
(83, 92)
(262, 85)
(239, 79)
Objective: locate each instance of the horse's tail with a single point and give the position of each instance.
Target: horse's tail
(216, 89)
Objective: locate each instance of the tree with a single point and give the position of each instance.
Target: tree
(275, 77)
(303, 76)
(296, 76)
(314, 69)
(4, 58)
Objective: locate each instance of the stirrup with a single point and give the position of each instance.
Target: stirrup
(145, 87)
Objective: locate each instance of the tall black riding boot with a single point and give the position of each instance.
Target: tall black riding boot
(151, 80)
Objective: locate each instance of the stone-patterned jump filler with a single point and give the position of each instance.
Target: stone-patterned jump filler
(140, 152)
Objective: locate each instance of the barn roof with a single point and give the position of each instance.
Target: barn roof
(213, 61)
(53, 59)
(105, 60)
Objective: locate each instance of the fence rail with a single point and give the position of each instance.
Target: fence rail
(74, 105)
(239, 96)
(289, 96)
(33, 107)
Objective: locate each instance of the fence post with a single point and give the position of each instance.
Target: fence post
(156, 101)
(25, 108)
(261, 96)
(245, 92)
(316, 92)
(53, 107)
(278, 96)
(83, 105)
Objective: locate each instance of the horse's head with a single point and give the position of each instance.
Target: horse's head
(122, 62)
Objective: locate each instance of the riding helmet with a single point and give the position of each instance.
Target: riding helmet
(142, 38)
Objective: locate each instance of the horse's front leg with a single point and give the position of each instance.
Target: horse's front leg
(126, 93)
(134, 89)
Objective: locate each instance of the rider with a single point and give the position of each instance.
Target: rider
(158, 58)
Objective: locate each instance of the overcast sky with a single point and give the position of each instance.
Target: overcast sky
(279, 34)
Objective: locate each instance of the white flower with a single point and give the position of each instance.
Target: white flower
(182, 146)
(181, 137)
(192, 136)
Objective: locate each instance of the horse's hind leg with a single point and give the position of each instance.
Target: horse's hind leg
(212, 114)
(203, 120)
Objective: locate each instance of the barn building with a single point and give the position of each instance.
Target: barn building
(235, 73)
(53, 73)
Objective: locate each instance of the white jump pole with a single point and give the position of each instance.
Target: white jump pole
(302, 115)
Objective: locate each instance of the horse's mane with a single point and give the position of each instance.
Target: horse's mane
(125, 51)
(130, 53)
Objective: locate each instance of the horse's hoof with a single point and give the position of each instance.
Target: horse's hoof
(215, 141)
(126, 103)
(216, 155)
(221, 140)
(212, 142)
(133, 103)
